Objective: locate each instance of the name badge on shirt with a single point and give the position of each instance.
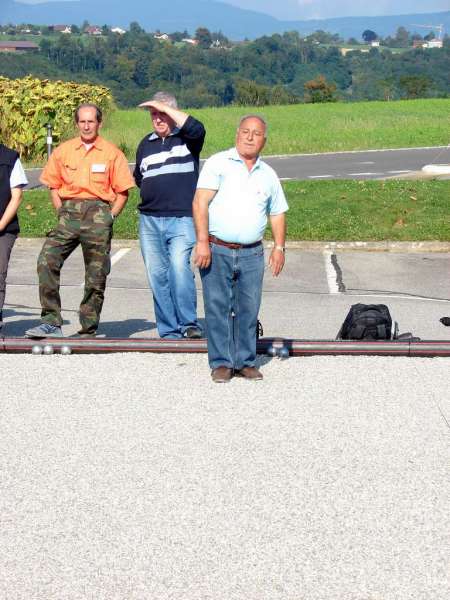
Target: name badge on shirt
(98, 168)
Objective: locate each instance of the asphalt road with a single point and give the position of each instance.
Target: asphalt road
(373, 164)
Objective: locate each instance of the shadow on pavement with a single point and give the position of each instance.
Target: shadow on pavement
(124, 329)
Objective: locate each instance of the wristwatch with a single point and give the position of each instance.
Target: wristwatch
(282, 248)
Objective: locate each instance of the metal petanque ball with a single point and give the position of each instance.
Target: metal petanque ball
(271, 351)
(66, 350)
(283, 352)
(48, 349)
(36, 349)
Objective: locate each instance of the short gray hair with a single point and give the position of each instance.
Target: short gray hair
(167, 98)
(98, 111)
(254, 116)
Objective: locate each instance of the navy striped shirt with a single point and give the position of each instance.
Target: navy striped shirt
(167, 170)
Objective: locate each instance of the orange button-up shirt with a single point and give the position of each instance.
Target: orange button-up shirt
(100, 172)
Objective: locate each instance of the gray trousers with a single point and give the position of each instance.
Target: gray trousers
(6, 244)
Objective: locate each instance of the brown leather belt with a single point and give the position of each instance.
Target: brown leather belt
(214, 240)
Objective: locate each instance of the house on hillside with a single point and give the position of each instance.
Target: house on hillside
(190, 41)
(60, 28)
(345, 51)
(118, 30)
(435, 43)
(161, 36)
(18, 47)
(93, 30)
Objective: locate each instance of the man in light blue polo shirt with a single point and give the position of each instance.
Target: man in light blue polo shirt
(236, 193)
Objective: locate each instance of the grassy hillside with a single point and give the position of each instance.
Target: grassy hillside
(306, 128)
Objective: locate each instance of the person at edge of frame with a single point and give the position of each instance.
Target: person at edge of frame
(236, 193)
(167, 166)
(12, 181)
(89, 179)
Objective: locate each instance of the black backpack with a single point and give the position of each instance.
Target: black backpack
(367, 322)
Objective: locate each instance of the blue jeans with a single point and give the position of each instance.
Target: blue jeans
(232, 288)
(166, 246)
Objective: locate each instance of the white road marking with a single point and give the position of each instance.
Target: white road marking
(366, 162)
(319, 176)
(330, 271)
(118, 255)
(285, 178)
(398, 172)
(354, 174)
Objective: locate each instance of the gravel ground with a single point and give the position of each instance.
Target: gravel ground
(134, 477)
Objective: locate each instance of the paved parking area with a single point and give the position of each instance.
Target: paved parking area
(308, 301)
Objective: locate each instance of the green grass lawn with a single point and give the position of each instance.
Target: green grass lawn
(306, 128)
(320, 210)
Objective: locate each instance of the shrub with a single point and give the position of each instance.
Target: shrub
(27, 105)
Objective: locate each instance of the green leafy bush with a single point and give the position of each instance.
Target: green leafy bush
(27, 105)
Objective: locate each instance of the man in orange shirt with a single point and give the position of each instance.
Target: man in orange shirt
(89, 181)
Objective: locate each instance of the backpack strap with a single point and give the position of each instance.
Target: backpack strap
(357, 332)
(381, 331)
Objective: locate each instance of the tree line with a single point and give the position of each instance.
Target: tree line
(278, 69)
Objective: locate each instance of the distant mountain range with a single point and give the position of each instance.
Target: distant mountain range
(177, 15)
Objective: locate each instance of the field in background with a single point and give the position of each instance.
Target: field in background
(319, 210)
(307, 128)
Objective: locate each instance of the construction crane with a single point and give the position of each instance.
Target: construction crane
(439, 28)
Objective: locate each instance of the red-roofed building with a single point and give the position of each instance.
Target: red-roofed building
(61, 28)
(18, 47)
(93, 30)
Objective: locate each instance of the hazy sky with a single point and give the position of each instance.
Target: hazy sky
(321, 9)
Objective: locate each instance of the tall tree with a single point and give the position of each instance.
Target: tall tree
(203, 37)
(402, 37)
(369, 36)
(319, 90)
(414, 86)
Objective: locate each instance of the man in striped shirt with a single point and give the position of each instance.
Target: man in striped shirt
(167, 167)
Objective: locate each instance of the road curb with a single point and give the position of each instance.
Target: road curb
(383, 246)
(311, 246)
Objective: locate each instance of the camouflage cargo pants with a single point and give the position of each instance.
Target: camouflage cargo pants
(88, 223)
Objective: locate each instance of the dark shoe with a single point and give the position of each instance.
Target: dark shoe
(193, 333)
(221, 374)
(86, 334)
(249, 373)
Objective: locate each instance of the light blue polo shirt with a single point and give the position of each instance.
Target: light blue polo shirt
(238, 212)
